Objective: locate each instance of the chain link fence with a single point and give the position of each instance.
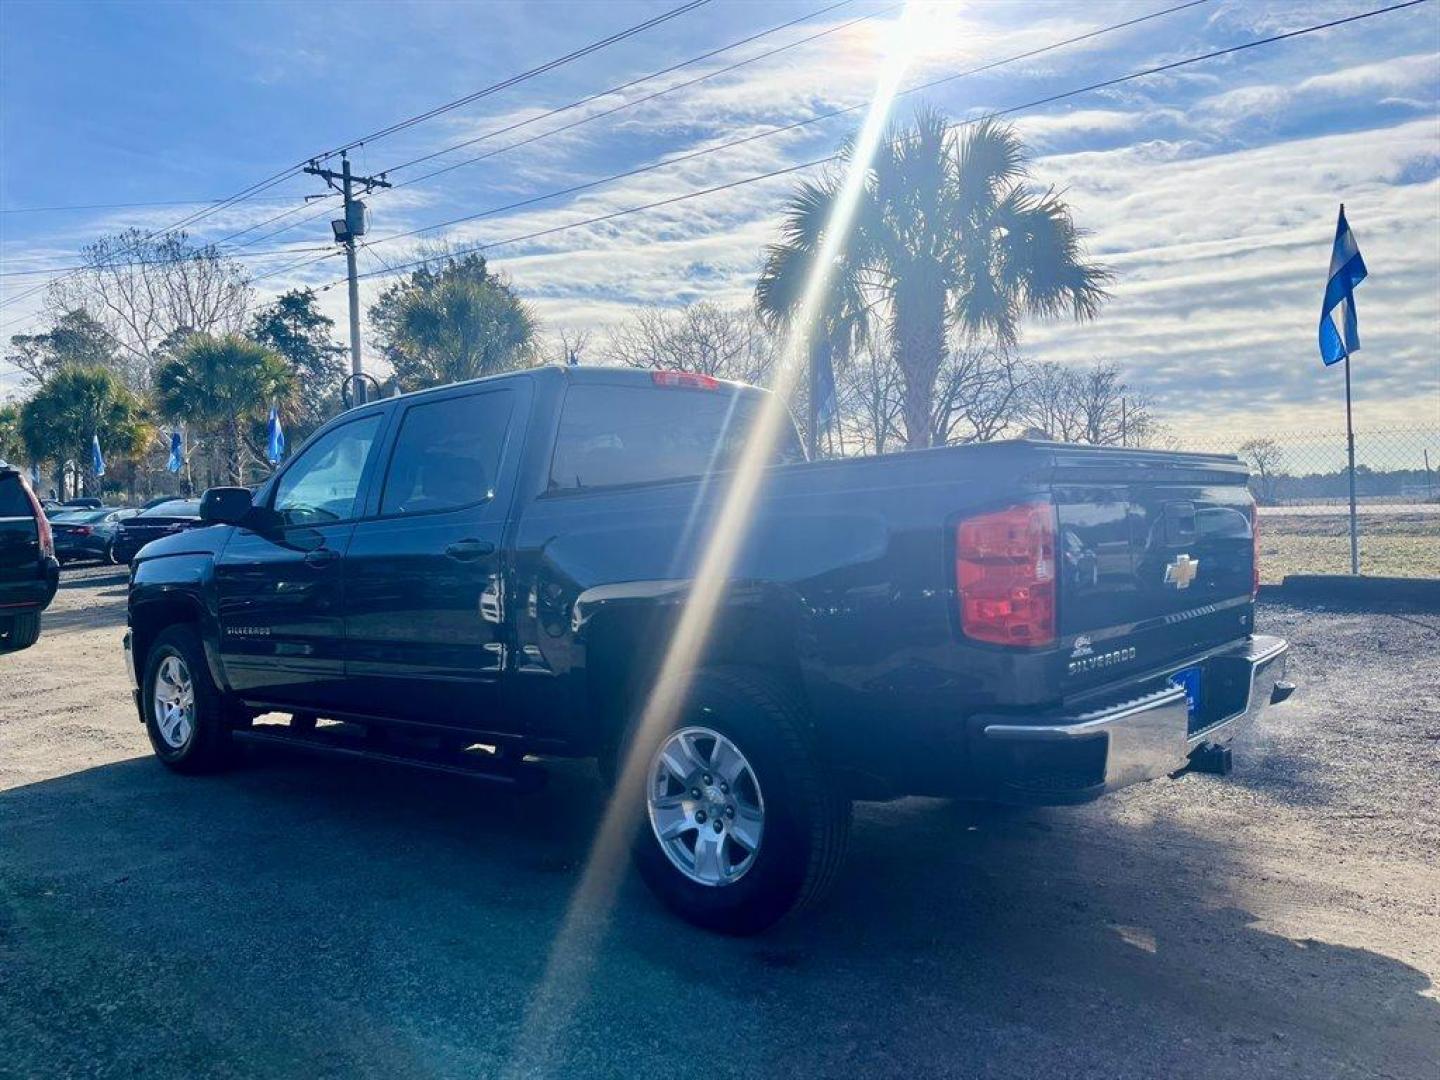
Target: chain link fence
(1301, 482)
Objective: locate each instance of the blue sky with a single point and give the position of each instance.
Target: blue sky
(1211, 190)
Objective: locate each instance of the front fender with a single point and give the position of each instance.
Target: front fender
(165, 590)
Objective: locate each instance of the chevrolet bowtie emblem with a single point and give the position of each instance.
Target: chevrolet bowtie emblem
(1182, 571)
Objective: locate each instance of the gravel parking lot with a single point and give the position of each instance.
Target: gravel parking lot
(294, 918)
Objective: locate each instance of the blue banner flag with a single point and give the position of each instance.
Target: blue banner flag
(276, 447)
(177, 453)
(97, 460)
(1339, 329)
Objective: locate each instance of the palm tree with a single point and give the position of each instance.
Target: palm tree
(225, 385)
(452, 320)
(843, 324)
(12, 445)
(76, 405)
(948, 232)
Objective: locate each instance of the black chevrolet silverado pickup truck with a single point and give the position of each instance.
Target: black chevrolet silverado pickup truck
(29, 572)
(474, 578)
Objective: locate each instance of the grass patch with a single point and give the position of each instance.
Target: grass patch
(1391, 545)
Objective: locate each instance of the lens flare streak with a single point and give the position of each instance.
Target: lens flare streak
(574, 951)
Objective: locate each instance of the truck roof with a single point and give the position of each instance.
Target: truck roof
(570, 373)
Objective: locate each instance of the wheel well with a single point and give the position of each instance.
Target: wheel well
(624, 656)
(150, 619)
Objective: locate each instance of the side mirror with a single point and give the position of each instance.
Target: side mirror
(225, 506)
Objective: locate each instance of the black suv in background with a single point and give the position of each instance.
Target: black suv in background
(29, 573)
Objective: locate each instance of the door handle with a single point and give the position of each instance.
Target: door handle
(469, 550)
(321, 558)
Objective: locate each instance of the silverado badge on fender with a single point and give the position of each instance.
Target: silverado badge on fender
(1182, 571)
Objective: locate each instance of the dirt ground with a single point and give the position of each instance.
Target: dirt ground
(291, 918)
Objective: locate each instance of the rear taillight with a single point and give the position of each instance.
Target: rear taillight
(1005, 574)
(82, 530)
(1254, 552)
(42, 523)
(687, 380)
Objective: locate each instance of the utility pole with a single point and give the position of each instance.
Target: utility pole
(347, 229)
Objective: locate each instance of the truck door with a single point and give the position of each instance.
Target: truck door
(281, 622)
(426, 635)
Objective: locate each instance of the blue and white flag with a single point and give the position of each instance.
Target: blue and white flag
(275, 451)
(1339, 329)
(97, 460)
(177, 453)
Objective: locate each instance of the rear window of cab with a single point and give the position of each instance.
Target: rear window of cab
(617, 435)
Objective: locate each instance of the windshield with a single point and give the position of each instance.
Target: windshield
(81, 517)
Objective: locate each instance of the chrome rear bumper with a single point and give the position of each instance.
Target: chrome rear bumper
(1144, 738)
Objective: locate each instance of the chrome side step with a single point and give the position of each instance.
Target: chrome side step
(522, 776)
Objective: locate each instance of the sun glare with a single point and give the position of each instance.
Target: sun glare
(573, 951)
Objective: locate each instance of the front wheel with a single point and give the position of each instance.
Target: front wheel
(741, 822)
(184, 711)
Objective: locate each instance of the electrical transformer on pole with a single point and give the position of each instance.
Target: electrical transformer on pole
(348, 229)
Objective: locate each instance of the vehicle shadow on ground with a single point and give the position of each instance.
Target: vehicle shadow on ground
(295, 917)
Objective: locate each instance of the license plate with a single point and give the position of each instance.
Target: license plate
(1189, 681)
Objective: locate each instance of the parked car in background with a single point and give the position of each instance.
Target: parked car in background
(29, 573)
(163, 519)
(84, 502)
(88, 534)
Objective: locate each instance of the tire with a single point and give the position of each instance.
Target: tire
(206, 745)
(804, 820)
(20, 631)
(109, 557)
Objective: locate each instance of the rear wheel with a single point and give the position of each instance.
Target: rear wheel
(741, 822)
(19, 631)
(185, 713)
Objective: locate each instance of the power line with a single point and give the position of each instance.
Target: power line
(133, 205)
(267, 253)
(276, 217)
(768, 133)
(1049, 99)
(585, 50)
(620, 88)
(278, 177)
(608, 112)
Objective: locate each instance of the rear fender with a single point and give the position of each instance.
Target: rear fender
(627, 630)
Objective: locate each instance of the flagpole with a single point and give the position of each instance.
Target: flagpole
(1350, 443)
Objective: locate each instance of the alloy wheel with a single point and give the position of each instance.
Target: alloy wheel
(174, 701)
(705, 806)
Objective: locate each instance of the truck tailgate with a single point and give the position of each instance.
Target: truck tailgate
(1154, 559)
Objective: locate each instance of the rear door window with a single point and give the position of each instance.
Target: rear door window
(13, 500)
(447, 454)
(612, 435)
